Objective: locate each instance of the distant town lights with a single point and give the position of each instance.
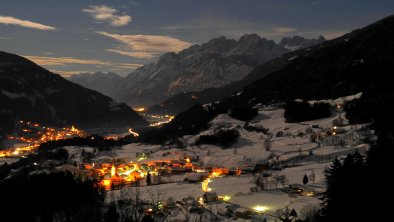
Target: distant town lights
(139, 109)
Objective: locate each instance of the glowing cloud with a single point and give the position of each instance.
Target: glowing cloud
(8, 20)
(146, 46)
(62, 61)
(67, 73)
(140, 55)
(107, 14)
(129, 65)
(53, 63)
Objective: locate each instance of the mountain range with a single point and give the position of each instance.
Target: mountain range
(360, 61)
(216, 63)
(32, 93)
(104, 83)
(182, 101)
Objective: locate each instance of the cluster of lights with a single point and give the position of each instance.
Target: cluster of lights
(118, 175)
(168, 117)
(111, 138)
(132, 172)
(38, 135)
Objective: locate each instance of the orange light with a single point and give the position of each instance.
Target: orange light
(139, 109)
(133, 133)
(106, 184)
(113, 171)
(205, 185)
(46, 134)
(170, 118)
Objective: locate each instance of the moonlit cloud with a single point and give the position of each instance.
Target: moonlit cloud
(8, 20)
(52, 63)
(140, 55)
(146, 46)
(105, 13)
(129, 65)
(63, 61)
(67, 73)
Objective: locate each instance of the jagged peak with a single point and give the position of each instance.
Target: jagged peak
(166, 57)
(250, 37)
(297, 42)
(218, 39)
(321, 37)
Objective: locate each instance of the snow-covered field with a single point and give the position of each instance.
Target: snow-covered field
(290, 149)
(294, 142)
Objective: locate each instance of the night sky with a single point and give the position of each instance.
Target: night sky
(71, 36)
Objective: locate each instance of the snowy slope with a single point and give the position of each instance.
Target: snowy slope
(293, 148)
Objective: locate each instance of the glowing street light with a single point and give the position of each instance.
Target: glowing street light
(260, 208)
(133, 133)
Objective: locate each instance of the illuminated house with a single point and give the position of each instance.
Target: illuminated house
(210, 197)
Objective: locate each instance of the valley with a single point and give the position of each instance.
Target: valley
(254, 178)
(196, 111)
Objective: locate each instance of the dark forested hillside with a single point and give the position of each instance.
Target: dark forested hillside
(356, 62)
(29, 92)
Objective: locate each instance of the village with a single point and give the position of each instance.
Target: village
(265, 171)
(33, 135)
(254, 178)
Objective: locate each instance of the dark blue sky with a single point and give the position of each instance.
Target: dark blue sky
(118, 35)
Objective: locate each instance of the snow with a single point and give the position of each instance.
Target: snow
(340, 100)
(292, 58)
(295, 174)
(249, 149)
(272, 200)
(299, 155)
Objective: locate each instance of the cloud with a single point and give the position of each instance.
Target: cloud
(8, 20)
(63, 61)
(105, 13)
(67, 73)
(52, 62)
(140, 55)
(284, 30)
(129, 65)
(146, 46)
